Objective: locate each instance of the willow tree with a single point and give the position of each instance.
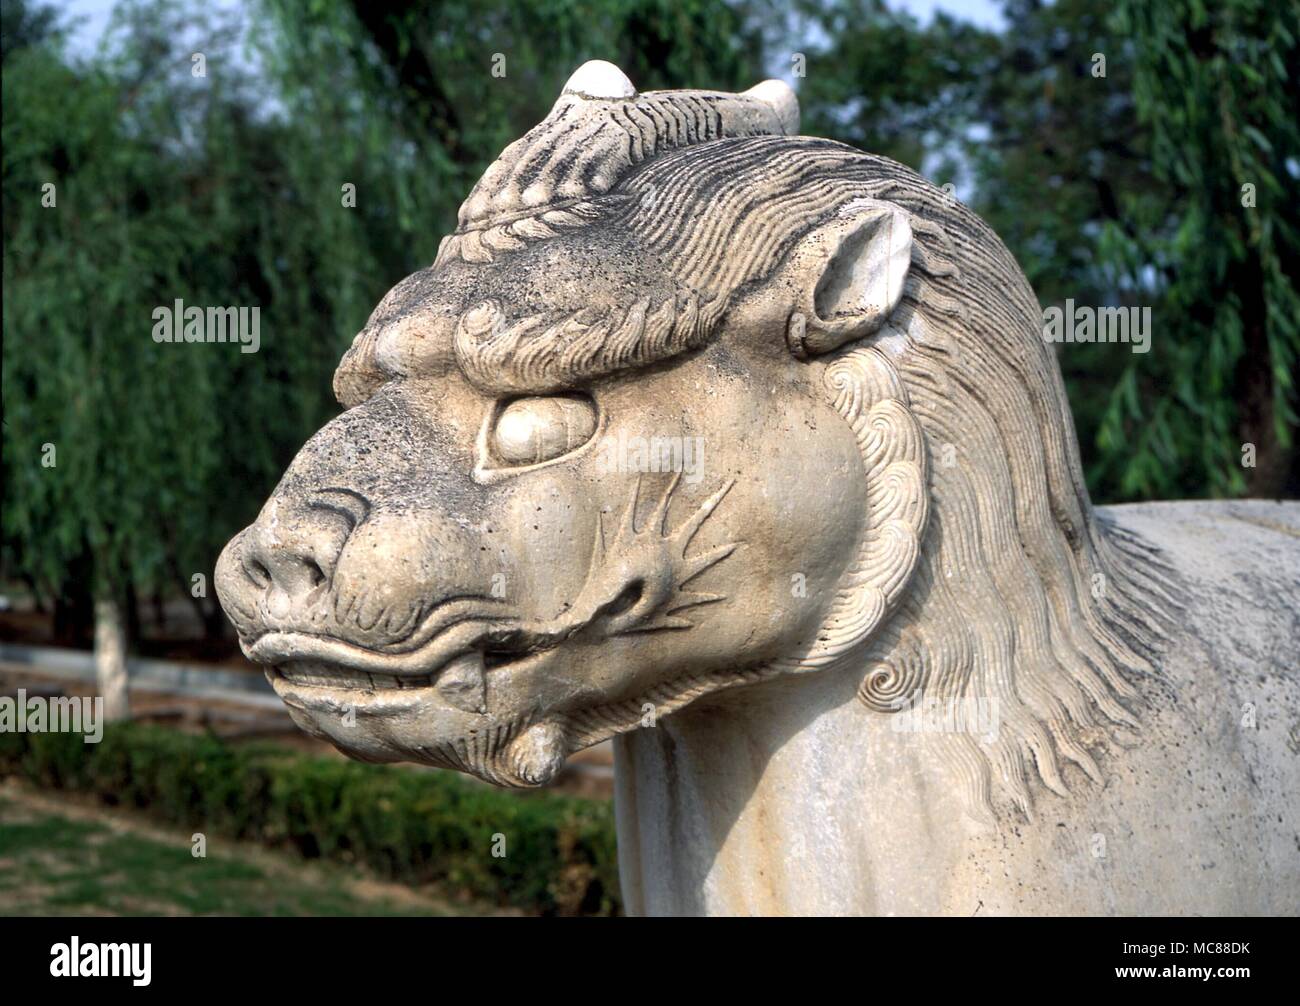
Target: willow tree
(100, 449)
(1215, 84)
(131, 181)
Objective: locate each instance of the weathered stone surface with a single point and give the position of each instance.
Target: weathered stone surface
(786, 798)
(746, 449)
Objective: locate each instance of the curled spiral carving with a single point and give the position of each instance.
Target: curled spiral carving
(890, 687)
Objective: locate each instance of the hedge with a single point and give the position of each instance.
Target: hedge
(410, 826)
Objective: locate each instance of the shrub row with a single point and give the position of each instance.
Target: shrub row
(406, 825)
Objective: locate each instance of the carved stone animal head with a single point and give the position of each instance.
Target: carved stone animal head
(688, 401)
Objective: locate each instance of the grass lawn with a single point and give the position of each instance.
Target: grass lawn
(72, 859)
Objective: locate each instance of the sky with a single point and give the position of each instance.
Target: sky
(985, 13)
(93, 15)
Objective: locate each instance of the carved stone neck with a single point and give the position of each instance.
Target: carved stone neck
(721, 808)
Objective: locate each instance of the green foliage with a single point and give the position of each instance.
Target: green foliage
(407, 825)
(884, 83)
(1220, 235)
(166, 188)
(1122, 189)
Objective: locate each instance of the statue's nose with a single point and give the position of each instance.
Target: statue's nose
(287, 571)
(279, 563)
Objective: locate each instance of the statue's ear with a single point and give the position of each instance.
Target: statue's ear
(852, 271)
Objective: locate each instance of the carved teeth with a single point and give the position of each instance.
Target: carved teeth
(462, 683)
(322, 675)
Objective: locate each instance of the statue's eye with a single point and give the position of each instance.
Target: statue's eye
(529, 431)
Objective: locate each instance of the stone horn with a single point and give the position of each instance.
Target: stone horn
(771, 106)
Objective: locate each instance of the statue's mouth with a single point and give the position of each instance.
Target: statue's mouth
(455, 716)
(460, 683)
(324, 671)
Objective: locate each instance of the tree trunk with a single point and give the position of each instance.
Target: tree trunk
(110, 660)
(74, 608)
(1254, 388)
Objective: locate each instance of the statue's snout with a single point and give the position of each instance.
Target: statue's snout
(284, 564)
(286, 561)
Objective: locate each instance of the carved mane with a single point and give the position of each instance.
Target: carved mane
(1022, 597)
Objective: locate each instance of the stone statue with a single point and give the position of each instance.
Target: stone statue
(746, 449)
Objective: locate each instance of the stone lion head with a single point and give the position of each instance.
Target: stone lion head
(686, 402)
